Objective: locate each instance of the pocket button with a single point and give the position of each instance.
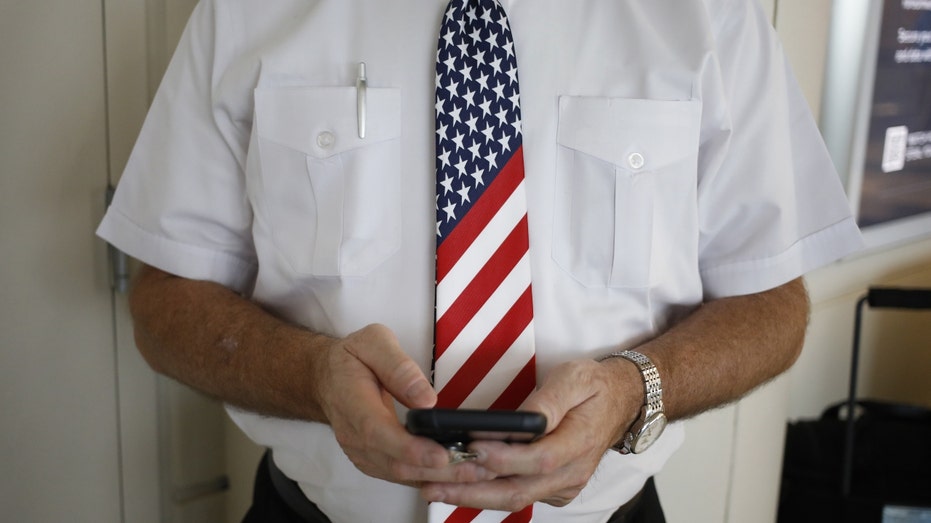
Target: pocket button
(635, 161)
(325, 140)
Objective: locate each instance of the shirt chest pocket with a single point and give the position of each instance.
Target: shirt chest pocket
(625, 187)
(329, 199)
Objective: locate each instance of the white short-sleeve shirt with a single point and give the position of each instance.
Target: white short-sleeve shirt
(669, 156)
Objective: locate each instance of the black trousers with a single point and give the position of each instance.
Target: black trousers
(269, 503)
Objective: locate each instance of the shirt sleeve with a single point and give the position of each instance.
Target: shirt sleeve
(771, 206)
(180, 204)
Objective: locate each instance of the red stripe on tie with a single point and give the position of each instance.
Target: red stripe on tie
(487, 354)
(519, 389)
(520, 517)
(482, 286)
(484, 209)
(463, 515)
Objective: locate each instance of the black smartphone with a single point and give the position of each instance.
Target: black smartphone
(458, 427)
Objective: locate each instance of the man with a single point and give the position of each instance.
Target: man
(677, 189)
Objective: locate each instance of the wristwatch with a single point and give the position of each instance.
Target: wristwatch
(652, 420)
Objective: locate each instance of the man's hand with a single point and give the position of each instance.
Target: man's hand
(358, 378)
(588, 406)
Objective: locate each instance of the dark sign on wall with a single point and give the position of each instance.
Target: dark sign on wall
(896, 181)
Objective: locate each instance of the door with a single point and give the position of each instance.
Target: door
(59, 444)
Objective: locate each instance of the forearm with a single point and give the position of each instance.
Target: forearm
(728, 347)
(226, 346)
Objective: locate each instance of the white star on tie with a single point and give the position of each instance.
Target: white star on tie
(469, 97)
(479, 57)
(492, 159)
(502, 116)
(486, 107)
(454, 114)
(489, 133)
(444, 158)
(515, 99)
(483, 81)
(453, 89)
(496, 65)
(512, 74)
(451, 63)
(447, 185)
(458, 139)
(478, 176)
(499, 91)
(450, 211)
(464, 193)
(486, 16)
(448, 37)
(475, 150)
(461, 167)
(471, 122)
(441, 132)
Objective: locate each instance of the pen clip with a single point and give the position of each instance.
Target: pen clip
(360, 99)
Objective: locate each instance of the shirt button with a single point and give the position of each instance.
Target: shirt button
(635, 160)
(325, 140)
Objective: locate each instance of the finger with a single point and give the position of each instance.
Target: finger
(414, 460)
(544, 456)
(509, 494)
(408, 457)
(398, 373)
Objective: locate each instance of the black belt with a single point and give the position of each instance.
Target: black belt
(294, 497)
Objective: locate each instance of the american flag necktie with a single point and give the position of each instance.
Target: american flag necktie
(484, 349)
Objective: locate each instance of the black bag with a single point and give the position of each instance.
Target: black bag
(850, 468)
(891, 464)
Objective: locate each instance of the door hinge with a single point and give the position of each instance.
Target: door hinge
(119, 260)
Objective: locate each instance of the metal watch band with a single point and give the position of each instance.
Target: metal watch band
(652, 412)
(651, 381)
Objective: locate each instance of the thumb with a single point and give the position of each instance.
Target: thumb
(395, 370)
(565, 388)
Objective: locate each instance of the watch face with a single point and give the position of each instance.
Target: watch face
(650, 432)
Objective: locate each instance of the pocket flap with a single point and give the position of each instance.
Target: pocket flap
(633, 134)
(323, 121)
